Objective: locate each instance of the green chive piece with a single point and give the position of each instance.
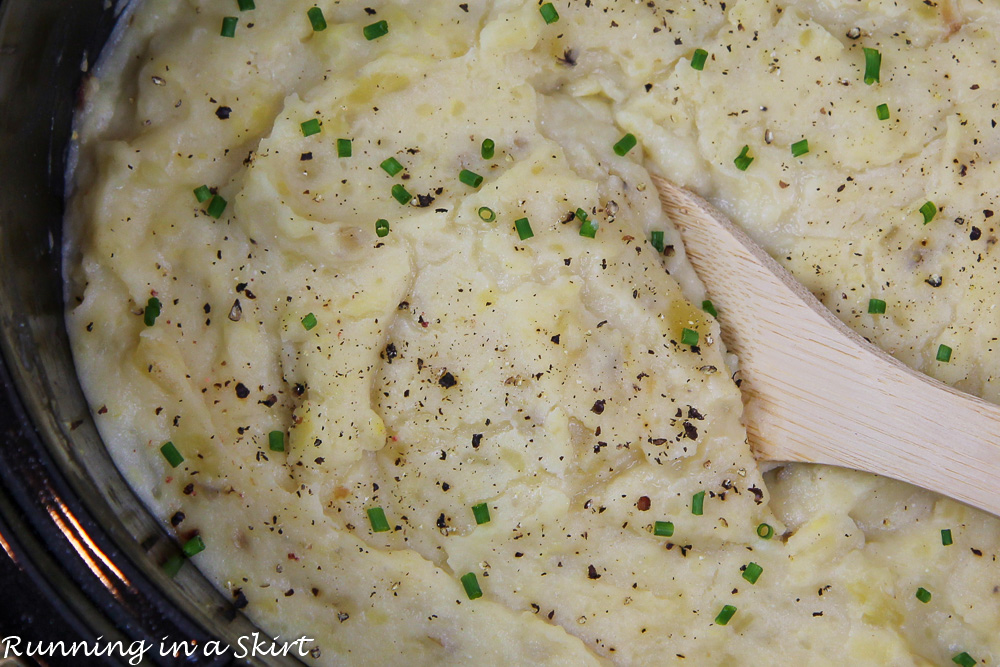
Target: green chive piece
(873, 65)
(229, 26)
(944, 353)
(588, 228)
(663, 528)
(202, 194)
(765, 531)
(725, 615)
(625, 144)
(470, 178)
(381, 228)
(946, 537)
(549, 13)
(800, 148)
(690, 337)
(964, 660)
(173, 565)
(376, 30)
(246, 5)
(217, 206)
(698, 500)
(482, 513)
(376, 516)
(698, 59)
(345, 148)
(743, 161)
(391, 166)
(923, 595)
(928, 210)
(194, 546)
(876, 307)
(170, 453)
(882, 111)
(471, 585)
(316, 18)
(276, 441)
(656, 239)
(151, 312)
(752, 572)
(309, 322)
(311, 127)
(523, 227)
(400, 194)
(709, 308)
(486, 214)
(488, 149)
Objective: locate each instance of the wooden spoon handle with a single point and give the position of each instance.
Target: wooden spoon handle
(819, 392)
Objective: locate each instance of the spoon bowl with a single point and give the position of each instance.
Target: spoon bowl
(818, 392)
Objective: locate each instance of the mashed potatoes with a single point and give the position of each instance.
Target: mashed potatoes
(232, 291)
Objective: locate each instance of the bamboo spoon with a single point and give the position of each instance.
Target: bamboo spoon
(818, 392)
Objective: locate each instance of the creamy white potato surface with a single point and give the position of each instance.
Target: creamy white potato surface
(291, 257)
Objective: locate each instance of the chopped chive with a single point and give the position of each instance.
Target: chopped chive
(964, 660)
(523, 227)
(928, 210)
(625, 144)
(246, 5)
(752, 572)
(800, 148)
(944, 353)
(229, 26)
(549, 13)
(151, 312)
(946, 537)
(663, 528)
(765, 531)
(173, 565)
(471, 585)
(488, 149)
(376, 516)
(882, 111)
(391, 166)
(709, 308)
(276, 441)
(923, 595)
(698, 59)
(316, 18)
(876, 307)
(202, 194)
(486, 214)
(725, 615)
(309, 322)
(482, 513)
(690, 337)
(743, 161)
(376, 30)
(311, 127)
(193, 546)
(656, 239)
(588, 228)
(345, 148)
(170, 453)
(698, 499)
(873, 65)
(217, 206)
(381, 228)
(400, 194)
(470, 178)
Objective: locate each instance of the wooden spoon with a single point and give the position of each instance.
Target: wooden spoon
(818, 392)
